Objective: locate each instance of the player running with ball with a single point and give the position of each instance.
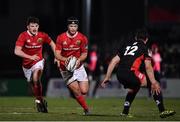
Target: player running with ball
(68, 44)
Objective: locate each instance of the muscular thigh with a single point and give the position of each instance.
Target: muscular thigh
(74, 87)
(84, 86)
(37, 74)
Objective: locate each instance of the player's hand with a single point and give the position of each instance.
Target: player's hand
(67, 60)
(103, 83)
(78, 62)
(34, 57)
(155, 87)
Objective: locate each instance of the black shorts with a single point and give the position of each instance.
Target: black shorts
(128, 79)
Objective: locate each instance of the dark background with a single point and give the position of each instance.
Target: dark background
(110, 22)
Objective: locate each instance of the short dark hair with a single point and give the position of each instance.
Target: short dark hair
(72, 20)
(142, 33)
(32, 19)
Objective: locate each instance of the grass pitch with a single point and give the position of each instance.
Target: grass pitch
(67, 109)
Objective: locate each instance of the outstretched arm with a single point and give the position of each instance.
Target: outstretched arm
(149, 70)
(110, 69)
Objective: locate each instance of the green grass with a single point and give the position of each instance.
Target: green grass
(62, 109)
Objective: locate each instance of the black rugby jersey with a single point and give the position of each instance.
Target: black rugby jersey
(132, 54)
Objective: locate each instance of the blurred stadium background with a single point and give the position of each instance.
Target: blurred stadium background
(106, 23)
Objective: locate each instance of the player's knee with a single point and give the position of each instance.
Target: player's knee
(36, 80)
(83, 92)
(134, 90)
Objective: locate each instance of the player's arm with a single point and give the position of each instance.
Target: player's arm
(110, 69)
(81, 59)
(59, 56)
(18, 51)
(53, 46)
(150, 73)
(84, 51)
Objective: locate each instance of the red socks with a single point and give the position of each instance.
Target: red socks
(37, 89)
(82, 102)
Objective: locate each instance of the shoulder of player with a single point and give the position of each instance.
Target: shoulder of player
(62, 35)
(23, 33)
(82, 36)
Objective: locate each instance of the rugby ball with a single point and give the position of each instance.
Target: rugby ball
(71, 64)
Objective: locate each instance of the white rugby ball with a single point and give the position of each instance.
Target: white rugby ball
(71, 65)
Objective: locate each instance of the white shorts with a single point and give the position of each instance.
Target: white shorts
(28, 72)
(79, 75)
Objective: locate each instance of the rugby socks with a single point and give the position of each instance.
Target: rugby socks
(37, 89)
(159, 101)
(82, 102)
(129, 99)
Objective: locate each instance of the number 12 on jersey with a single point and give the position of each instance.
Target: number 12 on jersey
(130, 50)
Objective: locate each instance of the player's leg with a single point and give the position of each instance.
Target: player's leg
(37, 88)
(37, 85)
(84, 87)
(130, 81)
(74, 87)
(129, 99)
(159, 102)
(29, 75)
(158, 98)
(81, 76)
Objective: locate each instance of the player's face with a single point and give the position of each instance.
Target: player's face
(33, 28)
(72, 28)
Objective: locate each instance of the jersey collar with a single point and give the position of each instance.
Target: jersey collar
(30, 33)
(70, 35)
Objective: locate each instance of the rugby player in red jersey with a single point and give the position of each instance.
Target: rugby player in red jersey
(29, 47)
(129, 58)
(74, 43)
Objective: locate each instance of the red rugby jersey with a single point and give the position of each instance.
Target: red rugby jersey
(71, 46)
(32, 45)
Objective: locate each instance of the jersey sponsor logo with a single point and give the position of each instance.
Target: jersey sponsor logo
(34, 46)
(71, 48)
(78, 42)
(39, 40)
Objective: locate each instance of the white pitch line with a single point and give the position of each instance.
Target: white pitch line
(18, 113)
